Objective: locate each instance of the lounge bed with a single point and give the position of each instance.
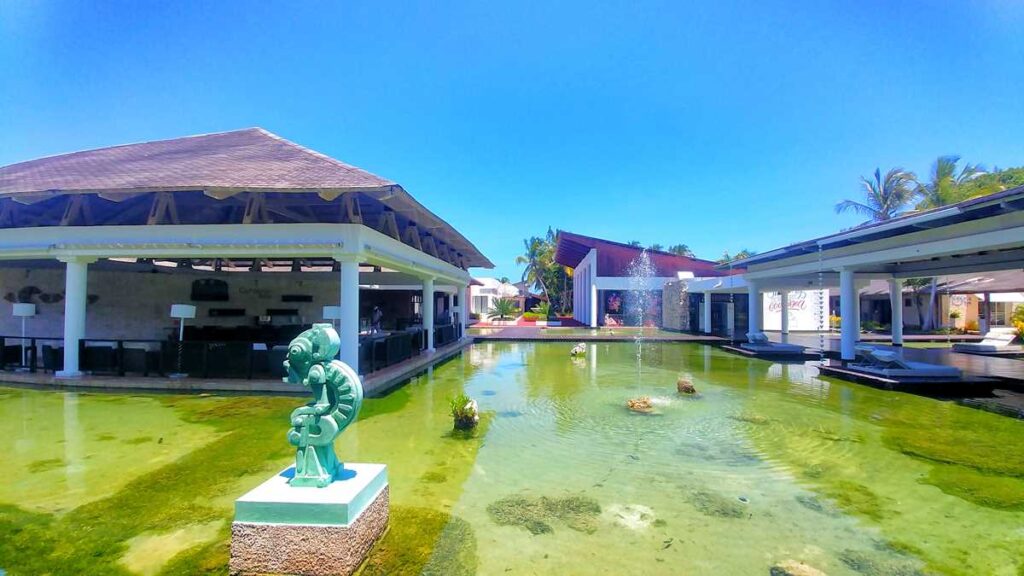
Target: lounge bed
(759, 343)
(889, 364)
(996, 341)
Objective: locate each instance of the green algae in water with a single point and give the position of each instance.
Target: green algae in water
(44, 465)
(569, 435)
(423, 541)
(716, 505)
(874, 564)
(535, 514)
(857, 499)
(750, 418)
(989, 490)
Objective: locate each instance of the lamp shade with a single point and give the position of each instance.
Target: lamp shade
(183, 311)
(332, 312)
(23, 310)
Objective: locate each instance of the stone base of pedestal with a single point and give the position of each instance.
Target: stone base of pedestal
(279, 529)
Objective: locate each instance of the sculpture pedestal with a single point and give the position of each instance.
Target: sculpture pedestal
(281, 529)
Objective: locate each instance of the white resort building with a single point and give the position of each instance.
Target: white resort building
(247, 237)
(484, 291)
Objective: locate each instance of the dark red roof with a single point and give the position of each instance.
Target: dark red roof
(614, 258)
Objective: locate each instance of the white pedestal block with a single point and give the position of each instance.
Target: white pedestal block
(280, 529)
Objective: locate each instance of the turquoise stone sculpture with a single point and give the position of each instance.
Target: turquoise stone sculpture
(337, 397)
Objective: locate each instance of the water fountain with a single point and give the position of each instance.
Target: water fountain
(639, 300)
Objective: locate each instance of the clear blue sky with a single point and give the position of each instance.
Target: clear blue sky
(720, 124)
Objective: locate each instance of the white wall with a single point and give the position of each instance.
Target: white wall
(808, 310)
(583, 278)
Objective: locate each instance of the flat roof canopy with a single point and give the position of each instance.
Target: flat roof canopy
(977, 235)
(240, 177)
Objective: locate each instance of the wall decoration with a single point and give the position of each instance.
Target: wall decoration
(32, 294)
(209, 290)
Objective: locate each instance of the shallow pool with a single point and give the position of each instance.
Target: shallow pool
(770, 464)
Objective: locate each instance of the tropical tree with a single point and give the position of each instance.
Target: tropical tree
(946, 185)
(884, 197)
(726, 258)
(656, 247)
(635, 244)
(537, 258)
(543, 273)
(681, 250)
(503, 308)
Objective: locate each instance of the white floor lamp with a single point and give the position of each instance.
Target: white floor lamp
(181, 312)
(23, 311)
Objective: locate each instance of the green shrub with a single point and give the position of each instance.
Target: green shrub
(503, 309)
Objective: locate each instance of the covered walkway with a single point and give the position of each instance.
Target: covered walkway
(978, 235)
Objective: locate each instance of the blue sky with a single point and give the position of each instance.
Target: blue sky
(720, 124)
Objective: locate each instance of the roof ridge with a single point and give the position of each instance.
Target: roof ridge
(140, 143)
(641, 248)
(321, 155)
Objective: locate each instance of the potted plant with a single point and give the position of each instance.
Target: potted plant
(465, 412)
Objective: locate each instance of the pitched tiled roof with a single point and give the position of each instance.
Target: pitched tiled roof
(219, 166)
(251, 159)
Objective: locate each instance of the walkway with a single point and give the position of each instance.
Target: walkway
(562, 334)
(375, 384)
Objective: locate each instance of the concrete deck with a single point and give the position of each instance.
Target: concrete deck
(375, 384)
(560, 334)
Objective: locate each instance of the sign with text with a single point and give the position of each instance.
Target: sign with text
(808, 310)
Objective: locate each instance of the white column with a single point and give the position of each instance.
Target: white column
(856, 308)
(847, 314)
(428, 312)
(986, 309)
(706, 313)
(593, 305)
(348, 326)
(464, 308)
(451, 306)
(784, 320)
(76, 284)
(896, 302)
(753, 307)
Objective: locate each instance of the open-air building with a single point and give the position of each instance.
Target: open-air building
(963, 240)
(249, 237)
(602, 277)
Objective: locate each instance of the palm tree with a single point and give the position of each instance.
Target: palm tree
(681, 250)
(726, 258)
(503, 308)
(656, 247)
(946, 185)
(884, 198)
(537, 257)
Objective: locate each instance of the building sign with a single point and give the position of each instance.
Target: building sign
(808, 310)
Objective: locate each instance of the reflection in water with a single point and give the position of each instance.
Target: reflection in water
(769, 464)
(74, 464)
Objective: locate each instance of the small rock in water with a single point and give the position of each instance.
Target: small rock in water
(684, 386)
(642, 404)
(744, 499)
(794, 568)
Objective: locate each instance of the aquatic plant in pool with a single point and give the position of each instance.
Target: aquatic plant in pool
(771, 466)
